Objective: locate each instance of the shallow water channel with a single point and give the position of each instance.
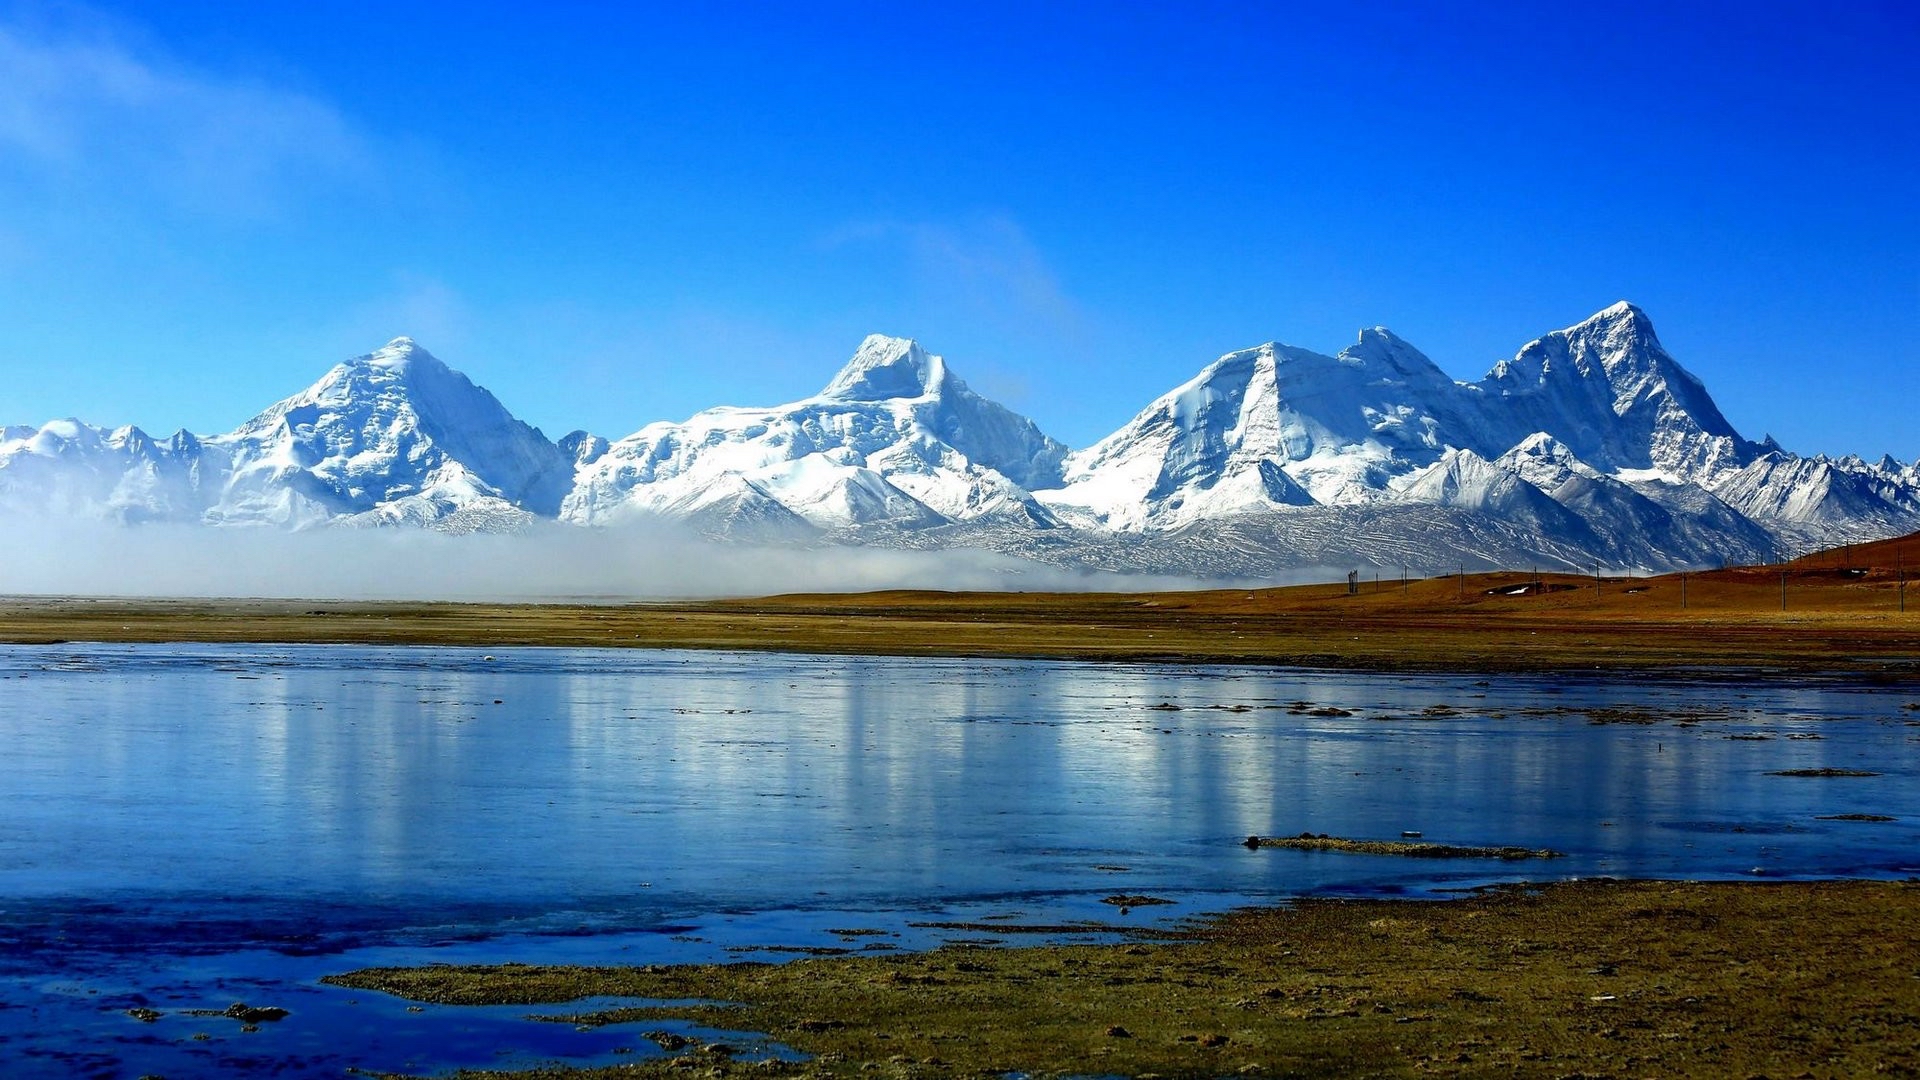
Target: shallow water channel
(184, 827)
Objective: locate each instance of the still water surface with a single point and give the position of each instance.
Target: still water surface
(186, 826)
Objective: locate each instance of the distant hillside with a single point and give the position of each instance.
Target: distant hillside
(1899, 552)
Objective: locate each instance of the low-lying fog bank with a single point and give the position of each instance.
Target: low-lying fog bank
(544, 563)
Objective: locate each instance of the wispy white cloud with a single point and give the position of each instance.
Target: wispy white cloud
(95, 116)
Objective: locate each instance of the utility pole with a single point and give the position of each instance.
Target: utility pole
(1463, 583)
(1596, 582)
(1683, 590)
(1783, 590)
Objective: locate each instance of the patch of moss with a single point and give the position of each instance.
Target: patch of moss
(1644, 978)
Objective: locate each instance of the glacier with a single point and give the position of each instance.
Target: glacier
(1592, 447)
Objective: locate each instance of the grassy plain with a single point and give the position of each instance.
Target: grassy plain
(1835, 619)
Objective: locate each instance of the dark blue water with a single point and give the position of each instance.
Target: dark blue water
(187, 826)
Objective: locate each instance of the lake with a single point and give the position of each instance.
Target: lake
(185, 827)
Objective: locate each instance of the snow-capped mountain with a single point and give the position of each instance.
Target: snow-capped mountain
(1268, 427)
(1609, 391)
(1650, 521)
(1465, 480)
(72, 469)
(393, 437)
(1821, 501)
(1593, 435)
(895, 437)
(1357, 427)
(1591, 446)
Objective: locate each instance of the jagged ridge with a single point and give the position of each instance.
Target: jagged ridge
(1591, 445)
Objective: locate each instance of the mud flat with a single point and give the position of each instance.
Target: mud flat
(1835, 621)
(1580, 978)
(1413, 849)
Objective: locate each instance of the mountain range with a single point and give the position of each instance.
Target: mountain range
(1591, 447)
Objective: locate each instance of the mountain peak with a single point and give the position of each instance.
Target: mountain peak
(1377, 344)
(394, 424)
(887, 367)
(399, 354)
(1539, 445)
(1609, 389)
(1614, 321)
(1379, 335)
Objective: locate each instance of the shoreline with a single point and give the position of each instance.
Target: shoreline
(1556, 979)
(1724, 622)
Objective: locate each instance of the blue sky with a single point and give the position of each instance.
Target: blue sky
(611, 214)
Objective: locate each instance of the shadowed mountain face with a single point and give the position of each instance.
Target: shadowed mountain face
(1592, 445)
(1612, 395)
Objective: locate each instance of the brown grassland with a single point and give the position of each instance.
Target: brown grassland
(1835, 619)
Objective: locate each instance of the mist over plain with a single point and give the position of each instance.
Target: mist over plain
(654, 561)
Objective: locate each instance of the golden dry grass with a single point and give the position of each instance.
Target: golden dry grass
(1834, 619)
